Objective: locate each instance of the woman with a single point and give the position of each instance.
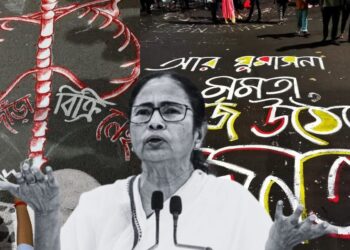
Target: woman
(228, 11)
(167, 127)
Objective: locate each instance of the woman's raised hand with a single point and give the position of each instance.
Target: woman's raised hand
(39, 190)
(287, 231)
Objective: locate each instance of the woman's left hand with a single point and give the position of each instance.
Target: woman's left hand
(287, 232)
(39, 190)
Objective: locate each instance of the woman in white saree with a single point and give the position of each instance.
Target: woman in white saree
(167, 127)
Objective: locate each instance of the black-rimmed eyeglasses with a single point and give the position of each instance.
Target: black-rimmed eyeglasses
(170, 112)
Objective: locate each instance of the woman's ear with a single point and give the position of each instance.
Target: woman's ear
(200, 135)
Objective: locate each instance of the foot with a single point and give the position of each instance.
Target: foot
(233, 20)
(226, 21)
(334, 42)
(305, 33)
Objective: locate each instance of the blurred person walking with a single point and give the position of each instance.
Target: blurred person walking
(302, 12)
(145, 6)
(228, 11)
(252, 4)
(330, 9)
(238, 6)
(281, 9)
(344, 19)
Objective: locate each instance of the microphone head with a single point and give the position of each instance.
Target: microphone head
(157, 200)
(175, 205)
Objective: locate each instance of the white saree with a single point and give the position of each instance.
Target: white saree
(216, 213)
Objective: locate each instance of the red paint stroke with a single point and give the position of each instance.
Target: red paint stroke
(16, 110)
(43, 71)
(337, 181)
(265, 58)
(115, 131)
(340, 236)
(280, 122)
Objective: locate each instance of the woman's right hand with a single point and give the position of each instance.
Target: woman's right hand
(39, 190)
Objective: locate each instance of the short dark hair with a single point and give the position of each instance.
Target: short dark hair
(196, 101)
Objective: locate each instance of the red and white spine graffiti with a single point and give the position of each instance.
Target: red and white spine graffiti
(44, 68)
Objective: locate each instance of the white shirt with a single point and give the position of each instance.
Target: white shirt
(216, 213)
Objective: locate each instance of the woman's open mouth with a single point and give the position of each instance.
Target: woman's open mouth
(154, 141)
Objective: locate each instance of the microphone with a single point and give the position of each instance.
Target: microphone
(157, 205)
(175, 210)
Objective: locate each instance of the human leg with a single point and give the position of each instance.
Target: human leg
(252, 3)
(214, 7)
(284, 9)
(233, 11)
(344, 19)
(142, 5)
(335, 21)
(259, 10)
(279, 12)
(298, 15)
(325, 18)
(304, 22)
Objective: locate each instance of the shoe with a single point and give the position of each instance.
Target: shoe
(334, 42)
(298, 33)
(305, 33)
(233, 20)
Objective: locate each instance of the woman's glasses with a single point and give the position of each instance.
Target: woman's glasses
(170, 112)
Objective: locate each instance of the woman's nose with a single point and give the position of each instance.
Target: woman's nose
(156, 121)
